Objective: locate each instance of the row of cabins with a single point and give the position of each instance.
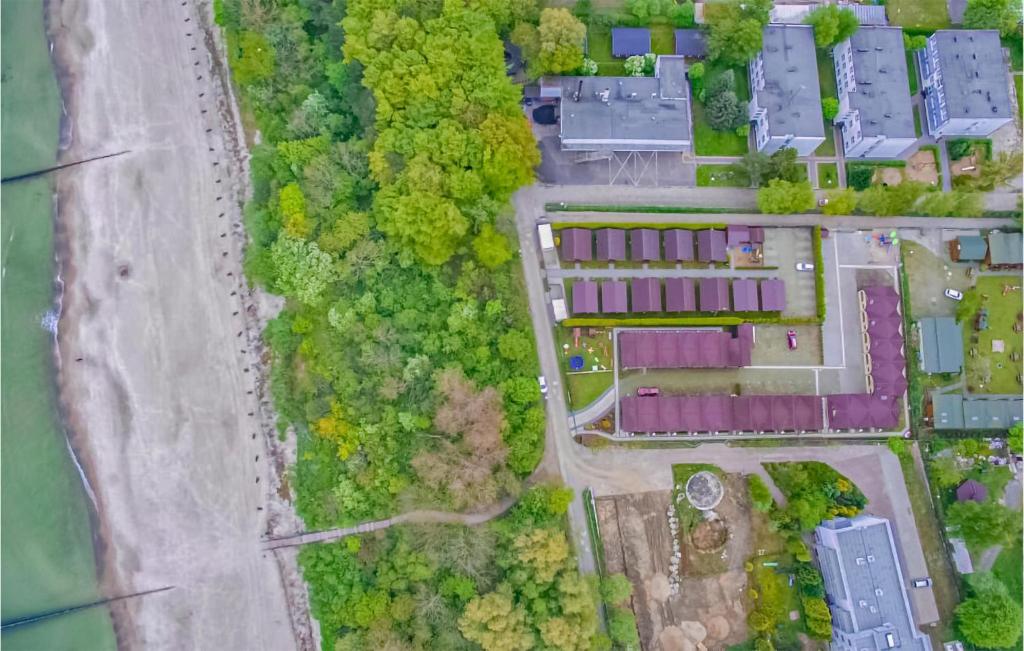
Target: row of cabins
(1000, 251)
(963, 79)
(649, 245)
(680, 295)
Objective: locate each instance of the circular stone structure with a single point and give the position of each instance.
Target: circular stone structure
(704, 490)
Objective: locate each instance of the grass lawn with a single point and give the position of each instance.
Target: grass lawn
(1017, 83)
(584, 388)
(989, 372)
(596, 351)
(708, 142)
(721, 176)
(923, 14)
(1016, 55)
(917, 122)
(912, 72)
(1008, 568)
(599, 48)
(663, 39)
(827, 148)
(828, 175)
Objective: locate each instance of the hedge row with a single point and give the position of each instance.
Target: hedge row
(819, 272)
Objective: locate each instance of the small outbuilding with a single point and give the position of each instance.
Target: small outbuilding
(971, 491)
(1005, 250)
(584, 297)
(691, 43)
(646, 295)
(678, 245)
(969, 248)
(630, 41)
(613, 297)
(645, 244)
(711, 246)
(744, 295)
(611, 244)
(680, 295)
(714, 295)
(942, 345)
(773, 295)
(577, 245)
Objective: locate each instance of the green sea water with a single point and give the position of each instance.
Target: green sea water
(46, 548)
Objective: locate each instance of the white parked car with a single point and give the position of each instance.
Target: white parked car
(953, 294)
(543, 385)
(922, 583)
(804, 266)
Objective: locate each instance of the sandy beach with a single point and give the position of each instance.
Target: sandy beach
(158, 339)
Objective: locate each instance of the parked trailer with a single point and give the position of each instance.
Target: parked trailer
(547, 238)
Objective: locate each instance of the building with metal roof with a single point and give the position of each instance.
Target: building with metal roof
(681, 348)
(646, 294)
(721, 413)
(645, 244)
(691, 43)
(711, 246)
(968, 248)
(971, 490)
(785, 104)
(875, 116)
(952, 411)
(678, 244)
(630, 41)
(773, 295)
(865, 588)
(611, 244)
(744, 295)
(942, 345)
(714, 295)
(862, 411)
(584, 297)
(795, 14)
(737, 235)
(680, 295)
(577, 244)
(613, 297)
(1005, 250)
(625, 113)
(965, 87)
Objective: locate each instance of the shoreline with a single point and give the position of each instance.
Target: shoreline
(117, 556)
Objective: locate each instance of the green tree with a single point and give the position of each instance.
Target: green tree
(840, 202)
(681, 14)
(1003, 15)
(1014, 437)
(885, 201)
(301, 269)
(696, 75)
(990, 618)
(725, 112)
(915, 42)
(252, 59)
(560, 41)
(615, 589)
(496, 623)
(982, 524)
(622, 628)
(760, 496)
(784, 197)
(491, 247)
(832, 25)
(830, 106)
(735, 30)
(945, 472)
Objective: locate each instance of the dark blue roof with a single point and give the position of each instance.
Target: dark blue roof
(691, 43)
(630, 41)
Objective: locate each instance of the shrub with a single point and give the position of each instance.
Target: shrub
(819, 272)
(725, 112)
(859, 177)
(682, 15)
(760, 496)
(959, 148)
(830, 108)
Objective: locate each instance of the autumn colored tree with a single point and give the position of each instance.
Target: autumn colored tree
(560, 41)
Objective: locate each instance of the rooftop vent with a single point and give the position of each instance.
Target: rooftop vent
(995, 109)
(791, 69)
(863, 49)
(878, 592)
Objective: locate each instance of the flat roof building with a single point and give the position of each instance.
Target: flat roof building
(577, 244)
(876, 117)
(613, 297)
(680, 295)
(785, 104)
(942, 345)
(965, 85)
(611, 244)
(625, 113)
(584, 297)
(952, 411)
(646, 294)
(864, 583)
(678, 245)
(630, 41)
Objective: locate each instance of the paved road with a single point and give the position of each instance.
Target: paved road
(596, 409)
(810, 219)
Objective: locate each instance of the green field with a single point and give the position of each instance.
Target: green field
(828, 175)
(599, 48)
(708, 142)
(721, 176)
(922, 14)
(912, 72)
(1017, 84)
(663, 39)
(990, 372)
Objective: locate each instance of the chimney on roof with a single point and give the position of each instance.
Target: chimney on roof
(579, 89)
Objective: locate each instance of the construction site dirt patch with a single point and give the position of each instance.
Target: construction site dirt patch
(709, 535)
(923, 168)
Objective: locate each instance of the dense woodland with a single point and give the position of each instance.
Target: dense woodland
(390, 141)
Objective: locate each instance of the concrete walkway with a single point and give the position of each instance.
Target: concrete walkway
(604, 403)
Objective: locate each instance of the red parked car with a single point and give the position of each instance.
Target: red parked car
(791, 339)
(647, 391)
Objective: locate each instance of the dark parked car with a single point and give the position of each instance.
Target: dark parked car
(545, 114)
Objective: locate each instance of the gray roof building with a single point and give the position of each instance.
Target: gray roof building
(691, 43)
(952, 411)
(625, 113)
(680, 295)
(865, 587)
(785, 104)
(965, 88)
(875, 112)
(942, 345)
(611, 244)
(646, 295)
(630, 41)
(1005, 249)
(969, 248)
(645, 244)
(678, 244)
(613, 297)
(584, 297)
(577, 244)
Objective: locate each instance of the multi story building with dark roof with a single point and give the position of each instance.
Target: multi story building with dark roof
(966, 89)
(875, 117)
(865, 588)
